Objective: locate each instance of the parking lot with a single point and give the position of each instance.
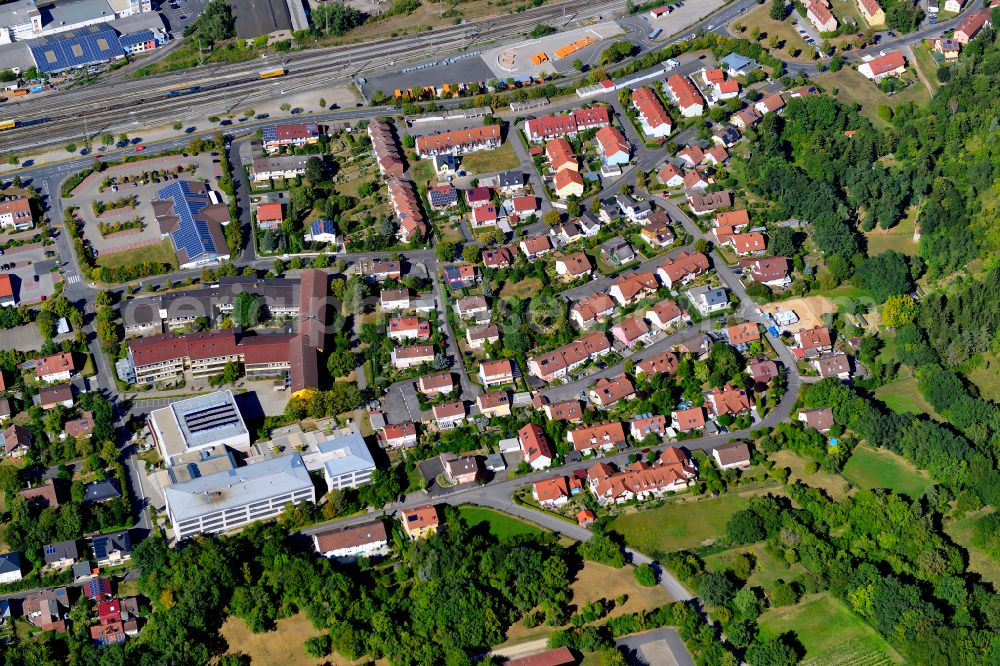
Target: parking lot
(401, 403)
(179, 14)
(30, 267)
(140, 182)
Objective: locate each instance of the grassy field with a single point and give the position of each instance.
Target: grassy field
(927, 64)
(987, 377)
(766, 571)
(501, 525)
(491, 161)
(422, 171)
(854, 87)
(522, 289)
(162, 253)
(829, 632)
(281, 646)
(788, 38)
(904, 397)
(597, 581)
(871, 468)
(678, 526)
(833, 484)
(979, 560)
(899, 238)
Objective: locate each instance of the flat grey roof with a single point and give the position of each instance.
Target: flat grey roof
(260, 17)
(237, 487)
(207, 418)
(73, 12)
(343, 455)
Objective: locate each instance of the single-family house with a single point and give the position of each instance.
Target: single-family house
(612, 145)
(890, 64)
(449, 415)
(686, 420)
(727, 400)
(633, 287)
(398, 434)
(833, 365)
(535, 446)
(495, 403)
(631, 331)
(479, 336)
(592, 309)
(421, 522)
(732, 456)
(437, 384)
(707, 300)
(567, 183)
(496, 373)
(597, 437)
(682, 268)
(665, 361)
(820, 418)
(574, 266)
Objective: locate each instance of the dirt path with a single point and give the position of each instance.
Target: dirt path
(523, 649)
(920, 72)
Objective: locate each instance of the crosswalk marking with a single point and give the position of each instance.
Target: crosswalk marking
(72, 278)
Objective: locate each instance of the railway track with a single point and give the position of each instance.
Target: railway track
(144, 102)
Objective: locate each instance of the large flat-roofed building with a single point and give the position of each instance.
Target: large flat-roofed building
(26, 19)
(169, 357)
(346, 461)
(198, 424)
(76, 48)
(237, 497)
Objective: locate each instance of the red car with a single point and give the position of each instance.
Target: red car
(140, 148)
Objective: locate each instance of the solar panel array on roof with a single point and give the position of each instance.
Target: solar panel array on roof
(269, 134)
(192, 234)
(76, 48)
(138, 37)
(217, 416)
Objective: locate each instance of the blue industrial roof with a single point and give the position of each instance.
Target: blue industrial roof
(138, 37)
(192, 234)
(76, 48)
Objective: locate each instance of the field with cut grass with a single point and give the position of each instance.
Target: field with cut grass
(904, 396)
(853, 87)
(678, 526)
(491, 161)
(766, 571)
(422, 171)
(598, 581)
(899, 238)
(500, 525)
(834, 484)
(281, 646)
(161, 253)
(979, 560)
(829, 632)
(871, 468)
(987, 377)
(523, 289)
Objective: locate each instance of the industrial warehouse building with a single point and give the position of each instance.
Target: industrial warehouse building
(234, 498)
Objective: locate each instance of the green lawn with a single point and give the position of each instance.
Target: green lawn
(162, 253)
(678, 526)
(853, 87)
(927, 64)
(899, 238)
(904, 396)
(987, 377)
(501, 526)
(829, 632)
(979, 561)
(522, 289)
(422, 171)
(766, 571)
(491, 161)
(871, 468)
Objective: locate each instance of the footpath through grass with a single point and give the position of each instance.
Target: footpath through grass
(829, 632)
(878, 468)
